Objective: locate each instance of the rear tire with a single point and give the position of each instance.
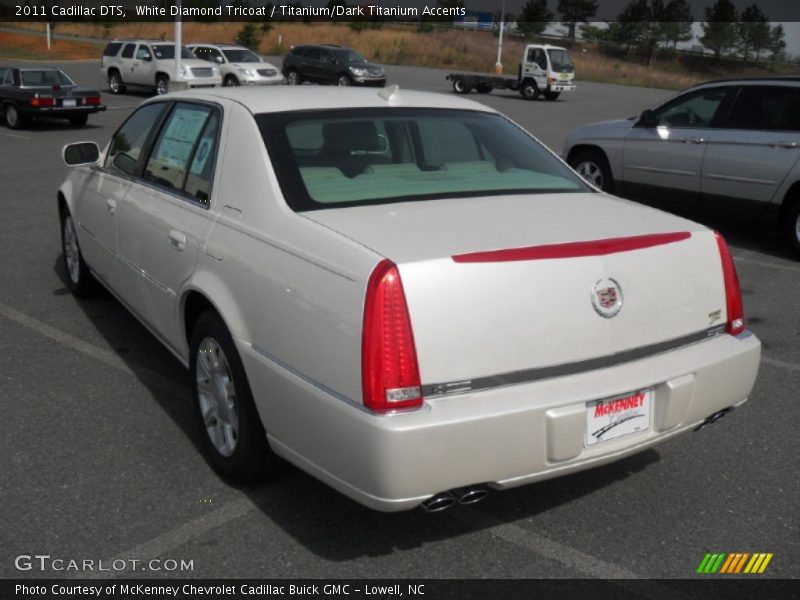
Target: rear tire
(593, 166)
(80, 280)
(233, 437)
(79, 121)
(14, 118)
(460, 86)
(529, 90)
(162, 84)
(791, 228)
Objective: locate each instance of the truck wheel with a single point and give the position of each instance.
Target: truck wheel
(791, 228)
(162, 84)
(592, 165)
(551, 95)
(460, 86)
(529, 90)
(484, 88)
(115, 85)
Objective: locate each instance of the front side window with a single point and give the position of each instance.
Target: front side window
(350, 56)
(540, 58)
(183, 154)
(241, 55)
(129, 140)
(693, 110)
(143, 53)
(346, 157)
(766, 108)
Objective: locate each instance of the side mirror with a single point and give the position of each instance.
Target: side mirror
(647, 119)
(80, 153)
(219, 60)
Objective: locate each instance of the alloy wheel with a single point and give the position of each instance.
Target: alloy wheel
(591, 172)
(216, 394)
(71, 251)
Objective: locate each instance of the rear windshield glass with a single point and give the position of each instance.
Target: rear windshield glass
(44, 78)
(560, 60)
(163, 51)
(327, 159)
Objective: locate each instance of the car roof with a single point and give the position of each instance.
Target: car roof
(751, 81)
(288, 98)
(225, 45)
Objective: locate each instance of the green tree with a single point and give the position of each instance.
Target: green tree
(631, 28)
(753, 32)
(249, 37)
(777, 43)
(719, 30)
(678, 21)
(576, 11)
(594, 34)
(534, 17)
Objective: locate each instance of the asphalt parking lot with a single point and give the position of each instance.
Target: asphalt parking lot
(101, 459)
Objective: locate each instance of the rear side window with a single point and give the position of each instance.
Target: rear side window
(313, 54)
(183, 154)
(766, 108)
(129, 140)
(3, 76)
(127, 51)
(112, 49)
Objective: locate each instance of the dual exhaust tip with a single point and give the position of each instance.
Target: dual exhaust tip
(444, 500)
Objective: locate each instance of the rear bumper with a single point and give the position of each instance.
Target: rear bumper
(60, 112)
(504, 437)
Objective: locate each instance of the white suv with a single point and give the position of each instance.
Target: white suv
(238, 65)
(151, 64)
(730, 146)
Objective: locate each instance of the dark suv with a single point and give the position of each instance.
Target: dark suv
(338, 65)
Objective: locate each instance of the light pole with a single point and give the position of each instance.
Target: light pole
(498, 66)
(178, 43)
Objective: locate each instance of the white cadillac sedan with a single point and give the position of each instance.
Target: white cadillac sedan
(407, 295)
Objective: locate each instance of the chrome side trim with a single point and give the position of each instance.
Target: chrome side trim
(740, 179)
(657, 170)
(437, 390)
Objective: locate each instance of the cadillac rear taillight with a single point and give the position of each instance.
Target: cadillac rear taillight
(389, 369)
(92, 100)
(733, 293)
(42, 101)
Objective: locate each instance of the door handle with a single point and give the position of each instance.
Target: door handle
(177, 239)
(111, 204)
(696, 140)
(783, 144)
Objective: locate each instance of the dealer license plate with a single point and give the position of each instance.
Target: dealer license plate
(68, 102)
(615, 417)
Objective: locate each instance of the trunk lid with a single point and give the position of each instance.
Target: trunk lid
(484, 314)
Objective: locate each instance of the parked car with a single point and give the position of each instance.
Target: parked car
(30, 92)
(407, 296)
(327, 63)
(730, 146)
(151, 64)
(238, 65)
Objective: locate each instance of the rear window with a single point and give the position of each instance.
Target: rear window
(112, 49)
(327, 159)
(127, 51)
(766, 108)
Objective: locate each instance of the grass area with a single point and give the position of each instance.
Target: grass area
(29, 47)
(442, 48)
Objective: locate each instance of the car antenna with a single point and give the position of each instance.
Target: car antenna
(390, 93)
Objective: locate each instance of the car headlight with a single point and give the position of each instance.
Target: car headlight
(185, 71)
(359, 72)
(215, 70)
(247, 72)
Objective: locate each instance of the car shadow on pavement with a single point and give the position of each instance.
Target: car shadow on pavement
(325, 522)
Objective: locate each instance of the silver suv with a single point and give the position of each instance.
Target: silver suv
(151, 64)
(731, 146)
(238, 65)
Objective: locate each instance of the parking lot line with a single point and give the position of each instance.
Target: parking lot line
(774, 362)
(105, 356)
(164, 543)
(14, 135)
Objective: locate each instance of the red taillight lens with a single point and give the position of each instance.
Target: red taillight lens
(389, 370)
(41, 102)
(733, 294)
(92, 100)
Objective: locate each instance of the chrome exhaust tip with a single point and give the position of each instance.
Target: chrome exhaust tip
(713, 418)
(471, 495)
(439, 502)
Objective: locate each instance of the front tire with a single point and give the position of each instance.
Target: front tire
(162, 85)
(293, 77)
(791, 228)
(593, 166)
(344, 80)
(230, 81)
(115, 84)
(233, 437)
(80, 280)
(460, 86)
(529, 90)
